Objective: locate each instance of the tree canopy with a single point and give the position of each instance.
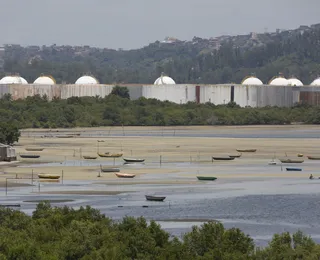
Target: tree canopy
(85, 233)
(115, 110)
(290, 52)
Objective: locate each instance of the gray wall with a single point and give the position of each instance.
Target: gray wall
(254, 96)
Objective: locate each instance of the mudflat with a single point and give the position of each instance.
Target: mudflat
(165, 151)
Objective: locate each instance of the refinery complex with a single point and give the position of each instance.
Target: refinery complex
(252, 92)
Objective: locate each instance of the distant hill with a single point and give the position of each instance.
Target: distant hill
(223, 59)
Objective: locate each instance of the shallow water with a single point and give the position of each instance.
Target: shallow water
(235, 132)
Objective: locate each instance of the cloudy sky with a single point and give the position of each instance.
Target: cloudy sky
(135, 23)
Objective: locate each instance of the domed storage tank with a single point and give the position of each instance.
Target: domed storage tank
(294, 82)
(316, 82)
(45, 80)
(13, 80)
(86, 80)
(251, 80)
(164, 80)
(279, 81)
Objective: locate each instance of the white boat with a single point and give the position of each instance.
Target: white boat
(272, 163)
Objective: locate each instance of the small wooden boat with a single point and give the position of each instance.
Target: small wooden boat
(246, 150)
(235, 155)
(48, 176)
(89, 157)
(133, 160)
(206, 178)
(110, 169)
(221, 158)
(313, 157)
(155, 198)
(110, 155)
(125, 175)
(65, 136)
(300, 155)
(100, 141)
(272, 163)
(294, 169)
(33, 156)
(34, 149)
(288, 160)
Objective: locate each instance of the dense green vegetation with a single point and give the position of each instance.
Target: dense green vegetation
(113, 110)
(192, 62)
(64, 233)
(9, 133)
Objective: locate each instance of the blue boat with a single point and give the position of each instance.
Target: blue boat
(294, 169)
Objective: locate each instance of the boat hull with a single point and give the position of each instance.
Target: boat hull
(48, 176)
(313, 158)
(235, 156)
(89, 157)
(206, 178)
(155, 198)
(110, 155)
(291, 161)
(246, 150)
(133, 160)
(29, 156)
(34, 149)
(125, 175)
(110, 169)
(223, 158)
(294, 169)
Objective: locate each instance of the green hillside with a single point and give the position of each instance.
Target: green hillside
(293, 52)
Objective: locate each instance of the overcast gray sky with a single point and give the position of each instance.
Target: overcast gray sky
(135, 23)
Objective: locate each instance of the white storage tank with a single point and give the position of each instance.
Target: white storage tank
(251, 81)
(279, 81)
(295, 82)
(45, 80)
(7, 80)
(86, 80)
(164, 80)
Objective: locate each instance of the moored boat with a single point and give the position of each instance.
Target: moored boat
(110, 155)
(87, 157)
(125, 175)
(300, 155)
(289, 160)
(155, 198)
(48, 176)
(33, 156)
(133, 160)
(272, 162)
(313, 157)
(294, 169)
(110, 169)
(34, 149)
(222, 158)
(206, 178)
(246, 150)
(236, 155)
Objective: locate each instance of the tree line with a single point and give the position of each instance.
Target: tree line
(291, 53)
(66, 233)
(117, 109)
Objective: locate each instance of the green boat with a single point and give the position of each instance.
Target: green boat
(206, 178)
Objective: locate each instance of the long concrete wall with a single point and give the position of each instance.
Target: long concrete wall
(254, 96)
(179, 94)
(215, 94)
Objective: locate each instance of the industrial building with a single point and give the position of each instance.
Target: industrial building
(279, 91)
(7, 153)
